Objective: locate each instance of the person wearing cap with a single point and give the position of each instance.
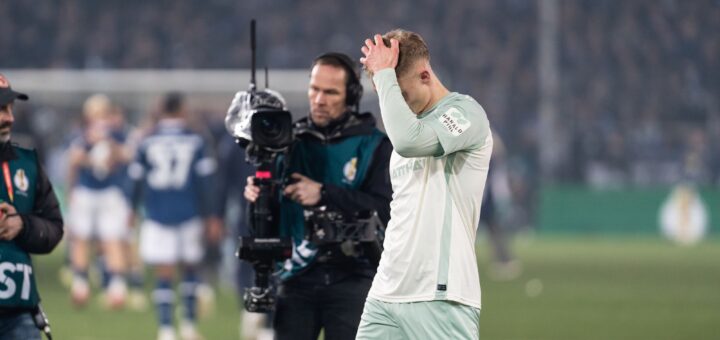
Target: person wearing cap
(30, 223)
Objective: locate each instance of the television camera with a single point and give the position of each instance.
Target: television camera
(261, 124)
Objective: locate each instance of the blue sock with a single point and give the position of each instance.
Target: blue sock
(80, 274)
(187, 291)
(164, 296)
(105, 274)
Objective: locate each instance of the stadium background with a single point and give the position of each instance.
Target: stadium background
(604, 106)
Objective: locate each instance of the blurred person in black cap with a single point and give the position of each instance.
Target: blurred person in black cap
(30, 223)
(7, 99)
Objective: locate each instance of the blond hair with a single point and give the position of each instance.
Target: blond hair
(412, 49)
(97, 106)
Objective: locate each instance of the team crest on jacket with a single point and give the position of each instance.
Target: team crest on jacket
(21, 181)
(350, 170)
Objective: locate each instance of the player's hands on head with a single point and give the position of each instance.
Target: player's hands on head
(304, 190)
(378, 56)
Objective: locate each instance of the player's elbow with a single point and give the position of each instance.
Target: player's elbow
(407, 150)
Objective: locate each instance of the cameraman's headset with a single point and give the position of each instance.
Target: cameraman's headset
(353, 87)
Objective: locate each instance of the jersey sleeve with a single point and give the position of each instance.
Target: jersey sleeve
(205, 164)
(459, 126)
(408, 134)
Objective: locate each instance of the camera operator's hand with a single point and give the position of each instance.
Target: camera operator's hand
(10, 222)
(304, 191)
(251, 190)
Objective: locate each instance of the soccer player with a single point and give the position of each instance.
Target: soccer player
(98, 206)
(427, 285)
(504, 266)
(173, 169)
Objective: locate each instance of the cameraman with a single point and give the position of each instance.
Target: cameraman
(339, 160)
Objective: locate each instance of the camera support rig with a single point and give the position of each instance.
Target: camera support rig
(261, 124)
(264, 247)
(360, 234)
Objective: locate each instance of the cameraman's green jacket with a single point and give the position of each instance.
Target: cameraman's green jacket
(25, 186)
(351, 158)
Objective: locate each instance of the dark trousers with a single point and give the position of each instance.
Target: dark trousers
(20, 326)
(320, 298)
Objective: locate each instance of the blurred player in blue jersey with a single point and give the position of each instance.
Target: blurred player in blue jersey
(497, 194)
(173, 171)
(99, 208)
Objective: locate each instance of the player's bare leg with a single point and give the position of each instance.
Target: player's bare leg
(116, 291)
(79, 254)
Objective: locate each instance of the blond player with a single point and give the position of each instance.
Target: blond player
(427, 285)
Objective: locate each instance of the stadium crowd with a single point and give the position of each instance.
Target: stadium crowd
(639, 89)
(639, 96)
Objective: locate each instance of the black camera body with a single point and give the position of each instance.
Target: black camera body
(260, 121)
(359, 235)
(271, 129)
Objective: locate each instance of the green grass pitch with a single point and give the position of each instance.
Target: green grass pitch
(570, 288)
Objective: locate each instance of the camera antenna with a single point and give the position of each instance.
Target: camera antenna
(267, 79)
(252, 53)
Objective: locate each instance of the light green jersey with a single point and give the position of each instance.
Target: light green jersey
(430, 239)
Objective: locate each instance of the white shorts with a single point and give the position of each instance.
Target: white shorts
(171, 244)
(99, 213)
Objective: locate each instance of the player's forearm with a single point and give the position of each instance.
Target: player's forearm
(71, 180)
(121, 154)
(409, 136)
